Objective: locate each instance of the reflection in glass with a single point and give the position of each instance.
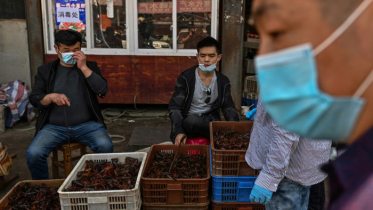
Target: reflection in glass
(154, 24)
(193, 22)
(109, 31)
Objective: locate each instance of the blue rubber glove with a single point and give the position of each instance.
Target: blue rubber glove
(260, 195)
(251, 115)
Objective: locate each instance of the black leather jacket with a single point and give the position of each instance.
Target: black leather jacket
(182, 99)
(44, 83)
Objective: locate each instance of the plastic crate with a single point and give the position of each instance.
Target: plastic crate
(251, 85)
(230, 163)
(174, 207)
(231, 189)
(165, 191)
(52, 183)
(237, 206)
(102, 200)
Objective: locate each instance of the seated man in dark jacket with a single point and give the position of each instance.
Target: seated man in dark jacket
(200, 93)
(65, 94)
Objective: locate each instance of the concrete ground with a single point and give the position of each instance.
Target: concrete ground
(18, 141)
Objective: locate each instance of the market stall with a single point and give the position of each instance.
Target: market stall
(140, 46)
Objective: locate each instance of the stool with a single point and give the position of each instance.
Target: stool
(67, 159)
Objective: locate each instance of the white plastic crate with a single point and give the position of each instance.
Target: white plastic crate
(102, 200)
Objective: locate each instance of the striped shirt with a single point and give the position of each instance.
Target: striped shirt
(279, 153)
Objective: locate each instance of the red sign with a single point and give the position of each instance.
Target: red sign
(182, 6)
(155, 7)
(194, 6)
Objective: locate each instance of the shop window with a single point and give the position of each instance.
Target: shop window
(193, 22)
(154, 24)
(109, 24)
(137, 27)
(70, 15)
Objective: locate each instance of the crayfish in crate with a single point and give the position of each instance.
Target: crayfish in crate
(184, 166)
(231, 140)
(107, 175)
(27, 197)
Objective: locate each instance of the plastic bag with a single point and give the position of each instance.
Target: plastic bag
(198, 140)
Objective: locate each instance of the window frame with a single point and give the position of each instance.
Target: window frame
(131, 31)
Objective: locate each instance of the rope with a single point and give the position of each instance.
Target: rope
(67, 132)
(30, 127)
(110, 113)
(122, 138)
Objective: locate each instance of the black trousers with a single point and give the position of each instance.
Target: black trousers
(195, 125)
(317, 197)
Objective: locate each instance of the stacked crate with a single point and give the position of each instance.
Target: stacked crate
(232, 178)
(179, 194)
(250, 93)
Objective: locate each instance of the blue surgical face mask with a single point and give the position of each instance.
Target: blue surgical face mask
(291, 96)
(207, 69)
(67, 58)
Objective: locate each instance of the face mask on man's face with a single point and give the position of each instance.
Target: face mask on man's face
(67, 58)
(289, 89)
(207, 69)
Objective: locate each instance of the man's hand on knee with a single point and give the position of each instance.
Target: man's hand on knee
(178, 139)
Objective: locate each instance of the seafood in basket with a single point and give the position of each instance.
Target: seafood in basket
(231, 140)
(191, 166)
(107, 175)
(27, 197)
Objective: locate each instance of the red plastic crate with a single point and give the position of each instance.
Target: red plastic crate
(164, 191)
(230, 162)
(237, 206)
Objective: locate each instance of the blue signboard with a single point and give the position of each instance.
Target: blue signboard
(65, 14)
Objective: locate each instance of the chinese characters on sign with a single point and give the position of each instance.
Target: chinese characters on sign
(70, 14)
(194, 6)
(182, 6)
(154, 8)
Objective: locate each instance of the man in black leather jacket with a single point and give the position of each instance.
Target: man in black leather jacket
(200, 93)
(65, 94)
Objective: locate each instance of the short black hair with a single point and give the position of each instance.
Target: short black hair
(67, 37)
(209, 42)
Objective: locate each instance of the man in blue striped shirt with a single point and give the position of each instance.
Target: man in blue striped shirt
(289, 164)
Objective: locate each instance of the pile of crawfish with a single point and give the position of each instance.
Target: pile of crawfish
(41, 197)
(184, 166)
(231, 140)
(107, 175)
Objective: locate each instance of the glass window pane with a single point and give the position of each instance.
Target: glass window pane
(109, 24)
(70, 14)
(155, 24)
(193, 22)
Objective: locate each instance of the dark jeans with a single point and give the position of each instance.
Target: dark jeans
(289, 196)
(317, 197)
(92, 134)
(195, 125)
